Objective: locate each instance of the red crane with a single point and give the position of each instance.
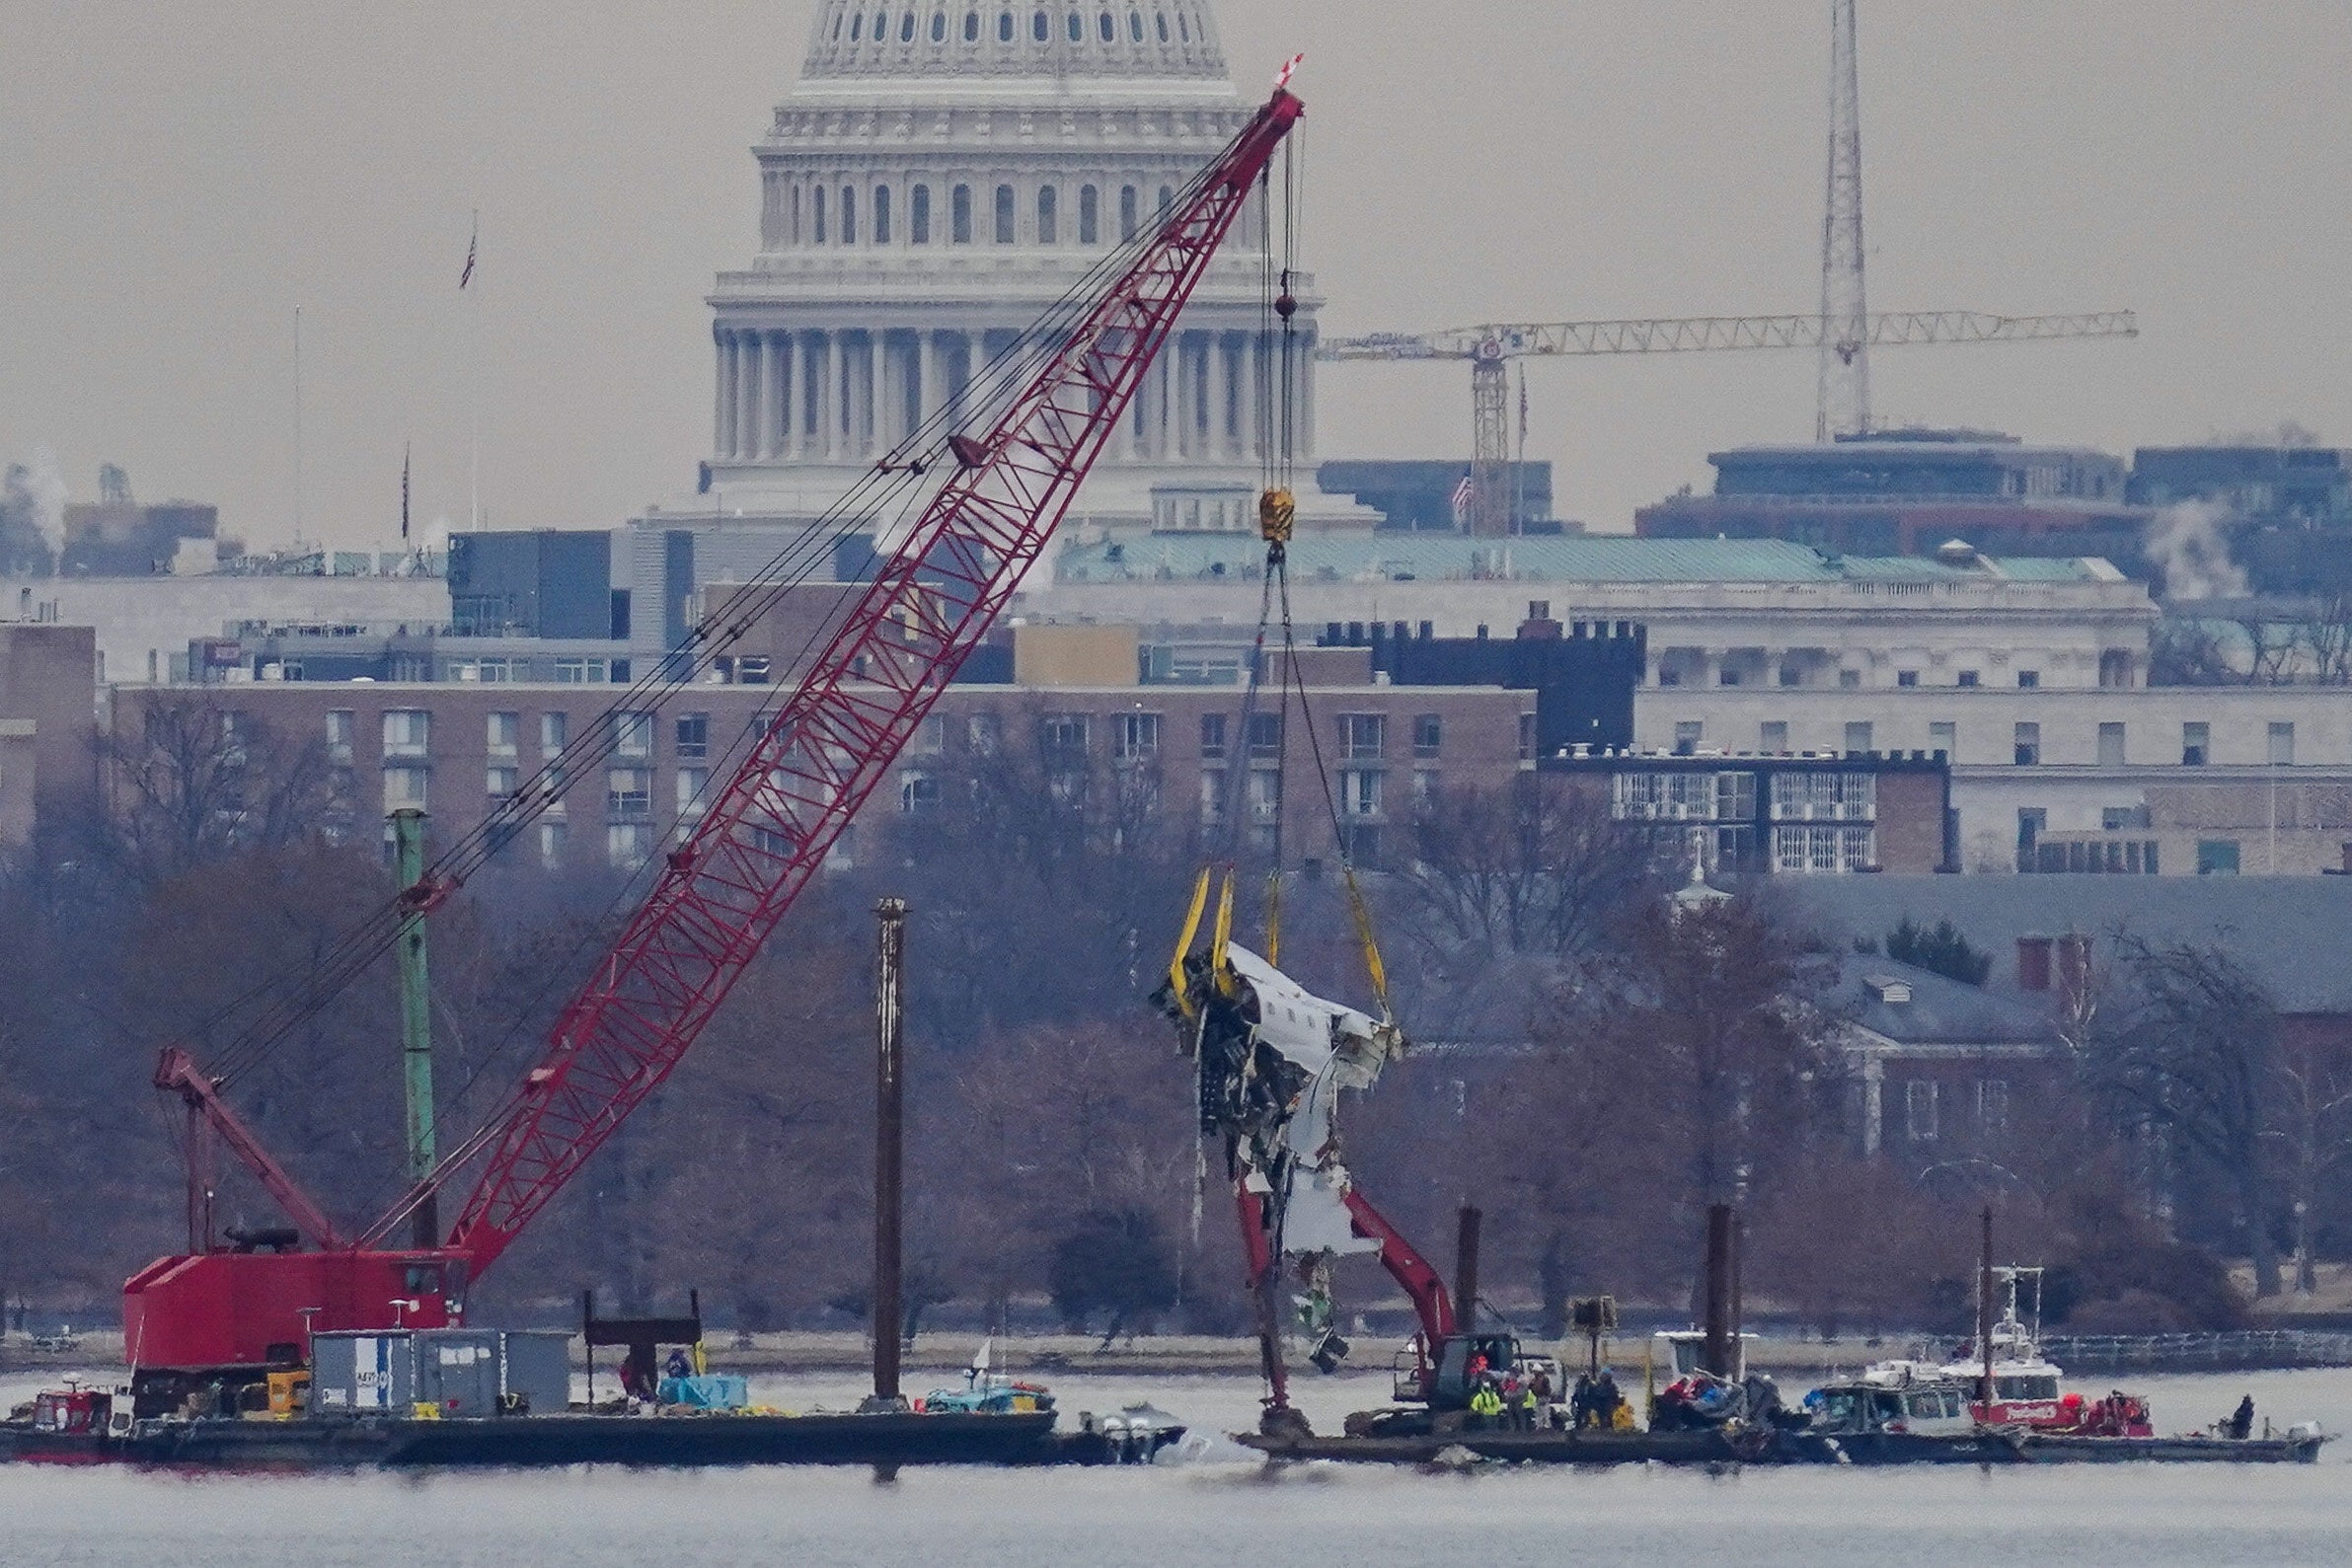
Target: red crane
(722, 891)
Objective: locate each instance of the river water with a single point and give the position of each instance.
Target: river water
(1221, 1507)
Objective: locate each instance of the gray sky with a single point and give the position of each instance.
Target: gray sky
(174, 178)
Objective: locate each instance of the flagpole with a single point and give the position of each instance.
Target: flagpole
(474, 394)
(297, 429)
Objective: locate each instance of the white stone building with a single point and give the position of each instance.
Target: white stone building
(2219, 779)
(943, 173)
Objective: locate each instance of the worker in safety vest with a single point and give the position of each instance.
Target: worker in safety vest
(1485, 1406)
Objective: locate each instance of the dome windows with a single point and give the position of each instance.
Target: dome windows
(1077, 28)
(1135, 27)
(1005, 218)
(1108, 29)
(882, 27)
(1129, 199)
(960, 215)
(918, 215)
(849, 215)
(1042, 27)
(837, 23)
(971, 27)
(1184, 25)
(881, 214)
(1004, 26)
(1090, 216)
(820, 215)
(858, 28)
(1162, 21)
(906, 28)
(1049, 216)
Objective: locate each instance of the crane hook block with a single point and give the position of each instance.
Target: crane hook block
(1287, 306)
(1277, 515)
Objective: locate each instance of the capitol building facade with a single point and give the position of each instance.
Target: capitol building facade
(939, 176)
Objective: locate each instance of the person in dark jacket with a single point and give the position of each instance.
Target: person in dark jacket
(2241, 1422)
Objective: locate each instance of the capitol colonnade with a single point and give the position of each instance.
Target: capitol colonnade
(852, 395)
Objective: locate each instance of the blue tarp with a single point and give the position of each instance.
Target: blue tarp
(714, 1393)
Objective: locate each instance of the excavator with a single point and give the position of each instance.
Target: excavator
(1271, 1061)
(987, 484)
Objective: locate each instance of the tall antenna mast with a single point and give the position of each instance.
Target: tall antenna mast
(1844, 401)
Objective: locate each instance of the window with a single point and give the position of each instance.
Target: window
(2122, 819)
(1109, 30)
(930, 738)
(752, 672)
(1945, 738)
(406, 788)
(1265, 794)
(1772, 737)
(555, 733)
(984, 735)
(918, 215)
(1090, 215)
(2196, 745)
(1005, 226)
(627, 845)
(1265, 737)
(1907, 678)
(1163, 19)
(1971, 679)
(694, 737)
(501, 783)
(632, 735)
(2282, 745)
(2029, 745)
(1212, 738)
(1049, 216)
(971, 27)
(1130, 211)
(1919, 1111)
(2110, 745)
(1857, 736)
(408, 732)
(939, 27)
(1527, 738)
(552, 839)
(960, 216)
(1063, 733)
(881, 214)
(2216, 858)
(1428, 735)
(1992, 1105)
(580, 672)
(1363, 737)
(1360, 791)
(629, 792)
(503, 733)
(1824, 851)
(1790, 675)
(1077, 28)
(1850, 680)
(1688, 733)
(1822, 796)
(820, 215)
(2029, 680)
(918, 792)
(1136, 737)
(1040, 28)
(1427, 786)
(1135, 27)
(693, 784)
(849, 215)
(1004, 26)
(340, 725)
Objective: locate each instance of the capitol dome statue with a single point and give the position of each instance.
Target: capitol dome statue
(940, 176)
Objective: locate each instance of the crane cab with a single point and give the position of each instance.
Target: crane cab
(1444, 1382)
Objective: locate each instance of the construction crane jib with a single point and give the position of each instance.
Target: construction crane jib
(768, 832)
(1490, 350)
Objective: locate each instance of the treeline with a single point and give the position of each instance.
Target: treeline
(1603, 1060)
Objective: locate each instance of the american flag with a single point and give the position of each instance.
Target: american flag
(1464, 493)
(404, 492)
(473, 253)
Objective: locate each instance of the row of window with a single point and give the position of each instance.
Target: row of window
(823, 214)
(855, 27)
(2117, 669)
(408, 732)
(1678, 796)
(2196, 741)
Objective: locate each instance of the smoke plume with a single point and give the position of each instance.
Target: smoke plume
(2188, 542)
(33, 514)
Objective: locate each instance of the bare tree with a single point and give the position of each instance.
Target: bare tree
(201, 780)
(1536, 866)
(2195, 1054)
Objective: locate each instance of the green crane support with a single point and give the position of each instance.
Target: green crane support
(417, 1021)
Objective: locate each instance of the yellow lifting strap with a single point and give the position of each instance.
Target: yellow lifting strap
(1275, 918)
(1223, 938)
(1175, 965)
(1362, 912)
(1277, 516)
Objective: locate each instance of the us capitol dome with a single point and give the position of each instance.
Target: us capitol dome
(940, 176)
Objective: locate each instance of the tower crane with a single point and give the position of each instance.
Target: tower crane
(230, 1313)
(1491, 350)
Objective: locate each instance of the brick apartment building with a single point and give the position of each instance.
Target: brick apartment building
(1182, 755)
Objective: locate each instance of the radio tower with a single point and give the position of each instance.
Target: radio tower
(1845, 403)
